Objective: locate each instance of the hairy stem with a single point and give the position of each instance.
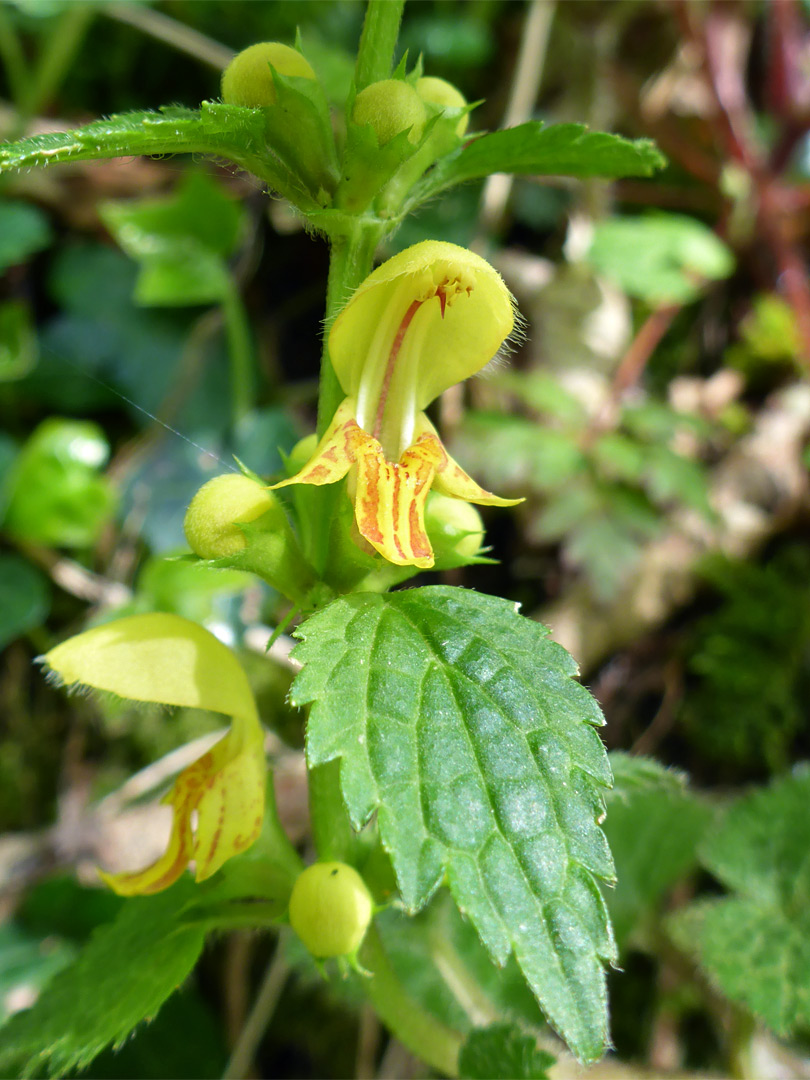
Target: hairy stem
(331, 829)
(240, 353)
(376, 53)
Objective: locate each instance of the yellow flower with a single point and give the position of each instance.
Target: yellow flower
(431, 316)
(164, 658)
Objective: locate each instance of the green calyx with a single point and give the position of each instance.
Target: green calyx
(455, 528)
(239, 523)
(443, 94)
(212, 520)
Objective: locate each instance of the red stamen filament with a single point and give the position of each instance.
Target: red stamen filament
(389, 368)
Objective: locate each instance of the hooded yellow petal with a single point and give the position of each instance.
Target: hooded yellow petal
(156, 657)
(231, 808)
(226, 789)
(167, 659)
(464, 315)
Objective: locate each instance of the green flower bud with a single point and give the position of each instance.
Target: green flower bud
(301, 453)
(454, 527)
(248, 80)
(330, 909)
(390, 106)
(212, 520)
(445, 95)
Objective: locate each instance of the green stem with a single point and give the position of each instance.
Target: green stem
(260, 1016)
(240, 353)
(432, 1041)
(351, 258)
(331, 829)
(378, 41)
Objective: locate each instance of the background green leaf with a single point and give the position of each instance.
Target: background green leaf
(755, 944)
(181, 241)
(24, 230)
(56, 494)
(662, 258)
(653, 828)
(503, 1050)
(26, 597)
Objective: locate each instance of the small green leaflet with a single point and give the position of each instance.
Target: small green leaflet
(660, 258)
(459, 722)
(532, 149)
(122, 977)
(23, 230)
(755, 943)
(227, 131)
(503, 1050)
(654, 824)
(181, 241)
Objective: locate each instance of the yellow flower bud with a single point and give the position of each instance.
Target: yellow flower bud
(445, 95)
(390, 106)
(330, 909)
(216, 511)
(248, 80)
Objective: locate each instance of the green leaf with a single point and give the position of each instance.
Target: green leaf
(672, 477)
(459, 722)
(227, 131)
(184, 1040)
(299, 128)
(536, 150)
(755, 944)
(24, 230)
(26, 597)
(181, 241)
(503, 1050)
(661, 258)
(653, 829)
(122, 977)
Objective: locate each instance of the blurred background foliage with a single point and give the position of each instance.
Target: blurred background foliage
(159, 316)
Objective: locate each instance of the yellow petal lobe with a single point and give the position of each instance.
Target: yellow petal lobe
(452, 480)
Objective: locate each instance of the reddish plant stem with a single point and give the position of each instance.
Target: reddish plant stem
(632, 366)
